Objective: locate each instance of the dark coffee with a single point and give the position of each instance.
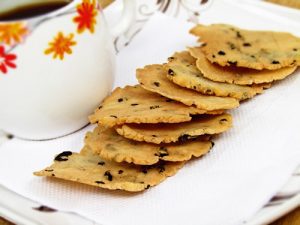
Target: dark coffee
(32, 10)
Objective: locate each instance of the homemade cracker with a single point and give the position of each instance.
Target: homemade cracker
(228, 45)
(88, 168)
(237, 75)
(182, 71)
(133, 104)
(109, 145)
(167, 133)
(154, 78)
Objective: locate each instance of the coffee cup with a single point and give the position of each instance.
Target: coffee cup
(57, 63)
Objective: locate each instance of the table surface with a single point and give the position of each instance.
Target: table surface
(292, 218)
(289, 3)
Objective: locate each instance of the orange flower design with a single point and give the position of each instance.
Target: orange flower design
(12, 33)
(61, 45)
(86, 18)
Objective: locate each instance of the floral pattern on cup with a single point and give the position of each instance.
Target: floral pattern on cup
(85, 20)
(12, 33)
(61, 45)
(6, 60)
(86, 16)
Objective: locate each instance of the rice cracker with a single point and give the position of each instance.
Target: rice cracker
(228, 45)
(89, 168)
(237, 75)
(133, 104)
(154, 78)
(167, 133)
(182, 71)
(112, 146)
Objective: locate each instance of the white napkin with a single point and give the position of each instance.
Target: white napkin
(247, 166)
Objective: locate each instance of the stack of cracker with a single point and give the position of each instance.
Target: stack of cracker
(147, 132)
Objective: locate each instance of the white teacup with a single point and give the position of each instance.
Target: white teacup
(55, 68)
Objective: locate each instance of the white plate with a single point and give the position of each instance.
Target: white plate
(24, 211)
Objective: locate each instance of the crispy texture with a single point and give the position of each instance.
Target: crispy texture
(112, 146)
(154, 78)
(182, 71)
(88, 168)
(228, 45)
(133, 104)
(167, 133)
(237, 75)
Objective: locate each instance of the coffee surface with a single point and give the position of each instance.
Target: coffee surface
(31, 10)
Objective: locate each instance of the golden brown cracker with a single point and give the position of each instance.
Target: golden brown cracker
(89, 168)
(133, 104)
(154, 78)
(182, 71)
(227, 45)
(167, 133)
(112, 146)
(237, 75)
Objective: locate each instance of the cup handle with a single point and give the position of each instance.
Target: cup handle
(126, 20)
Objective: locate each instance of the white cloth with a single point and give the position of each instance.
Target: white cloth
(247, 166)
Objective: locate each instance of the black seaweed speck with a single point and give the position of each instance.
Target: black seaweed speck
(154, 107)
(238, 35)
(63, 156)
(231, 45)
(108, 175)
(183, 137)
(223, 120)
(99, 182)
(171, 72)
(101, 163)
(163, 151)
(208, 91)
(156, 84)
(221, 53)
(232, 63)
(275, 62)
(293, 63)
(246, 44)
